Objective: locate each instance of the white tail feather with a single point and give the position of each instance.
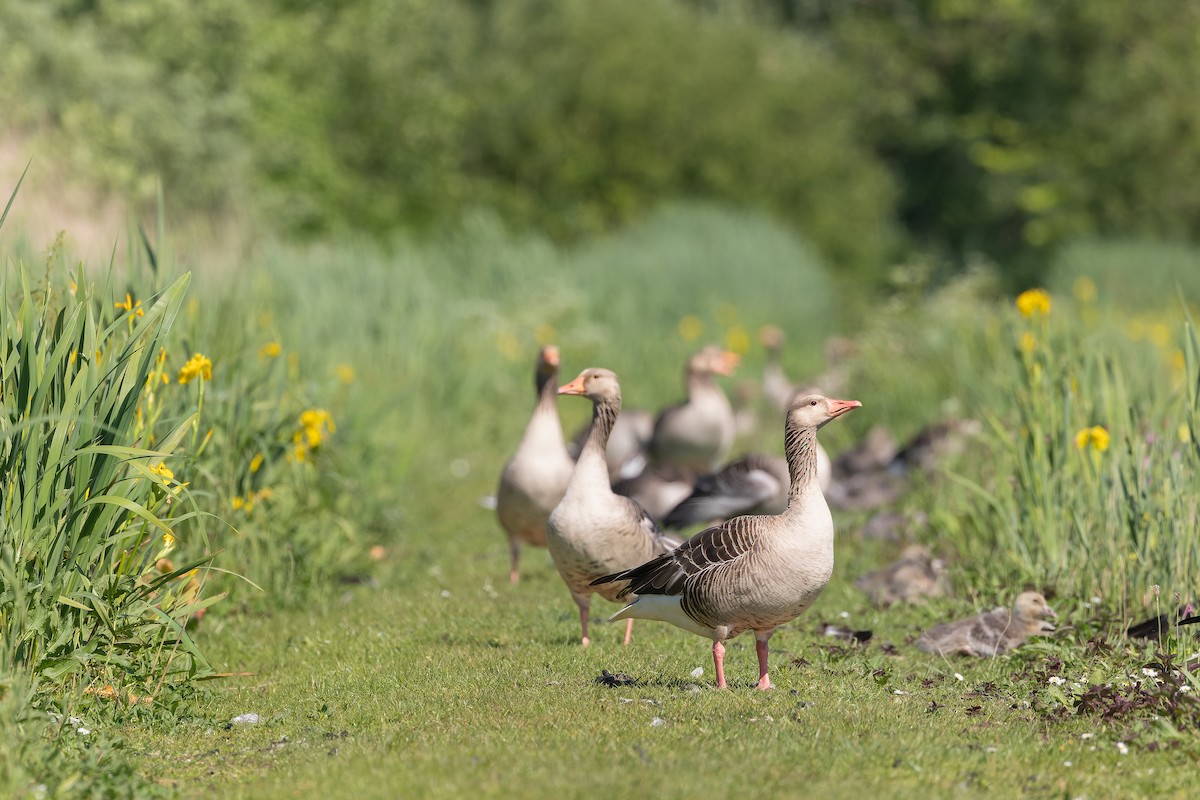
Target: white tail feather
(664, 608)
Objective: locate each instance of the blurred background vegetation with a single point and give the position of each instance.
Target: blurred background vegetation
(875, 129)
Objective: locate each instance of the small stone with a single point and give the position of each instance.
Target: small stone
(697, 672)
(657, 722)
(245, 719)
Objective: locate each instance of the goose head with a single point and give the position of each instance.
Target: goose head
(1032, 607)
(712, 360)
(771, 337)
(596, 384)
(815, 410)
(548, 361)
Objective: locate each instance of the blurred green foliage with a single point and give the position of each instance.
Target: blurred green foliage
(949, 126)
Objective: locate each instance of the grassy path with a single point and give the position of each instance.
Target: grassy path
(443, 683)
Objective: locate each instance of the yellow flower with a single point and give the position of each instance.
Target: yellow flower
(1096, 437)
(130, 305)
(1160, 334)
(168, 540)
(545, 334)
(237, 503)
(315, 424)
(198, 366)
(164, 471)
(691, 328)
(256, 463)
(1084, 289)
(345, 373)
(1028, 343)
(1185, 433)
(737, 340)
(1033, 301)
(270, 350)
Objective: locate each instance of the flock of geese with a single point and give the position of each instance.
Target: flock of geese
(603, 505)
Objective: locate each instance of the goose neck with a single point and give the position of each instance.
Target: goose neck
(800, 447)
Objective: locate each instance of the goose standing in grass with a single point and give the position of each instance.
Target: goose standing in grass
(696, 434)
(593, 531)
(535, 478)
(914, 575)
(992, 632)
(752, 572)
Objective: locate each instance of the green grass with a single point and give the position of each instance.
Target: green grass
(447, 682)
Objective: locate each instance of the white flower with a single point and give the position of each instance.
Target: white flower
(1085, 736)
(83, 731)
(1185, 688)
(958, 676)
(1123, 748)
(1087, 605)
(1066, 763)
(1149, 673)
(1057, 681)
(845, 615)
(1095, 599)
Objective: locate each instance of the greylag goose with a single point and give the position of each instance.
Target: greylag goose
(627, 445)
(1161, 626)
(535, 478)
(992, 632)
(914, 575)
(755, 484)
(778, 389)
(696, 434)
(750, 573)
(658, 488)
(593, 531)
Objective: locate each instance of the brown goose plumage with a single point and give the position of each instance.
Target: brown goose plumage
(754, 484)
(752, 572)
(535, 478)
(992, 632)
(593, 531)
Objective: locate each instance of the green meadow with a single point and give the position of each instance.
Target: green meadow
(325, 511)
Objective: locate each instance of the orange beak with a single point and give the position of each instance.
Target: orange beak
(726, 363)
(840, 407)
(574, 387)
(550, 355)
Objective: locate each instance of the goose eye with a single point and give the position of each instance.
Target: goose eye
(813, 403)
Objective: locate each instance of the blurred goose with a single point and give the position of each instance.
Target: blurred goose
(993, 632)
(658, 488)
(594, 531)
(778, 389)
(914, 575)
(937, 441)
(696, 434)
(535, 478)
(1160, 627)
(752, 572)
(754, 484)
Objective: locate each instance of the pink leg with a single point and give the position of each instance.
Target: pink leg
(628, 630)
(760, 645)
(584, 604)
(514, 574)
(719, 664)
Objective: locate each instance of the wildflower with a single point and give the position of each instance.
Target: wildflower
(1086, 735)
(690, 328)
(1057, 681)
(1033, 301)
(130, 305)
(270, 350)
(1122, 748)
(958, 676)
(1028, 343)
(237, 502)
(315, 424)
(1096, 436)
(168, 540)
(737, 340)
(544, 334)
(1185, 688)
(256, 463)
(1149, 673)
(198, 366)
(345, 373)
(164, 471)
(1084, 289)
